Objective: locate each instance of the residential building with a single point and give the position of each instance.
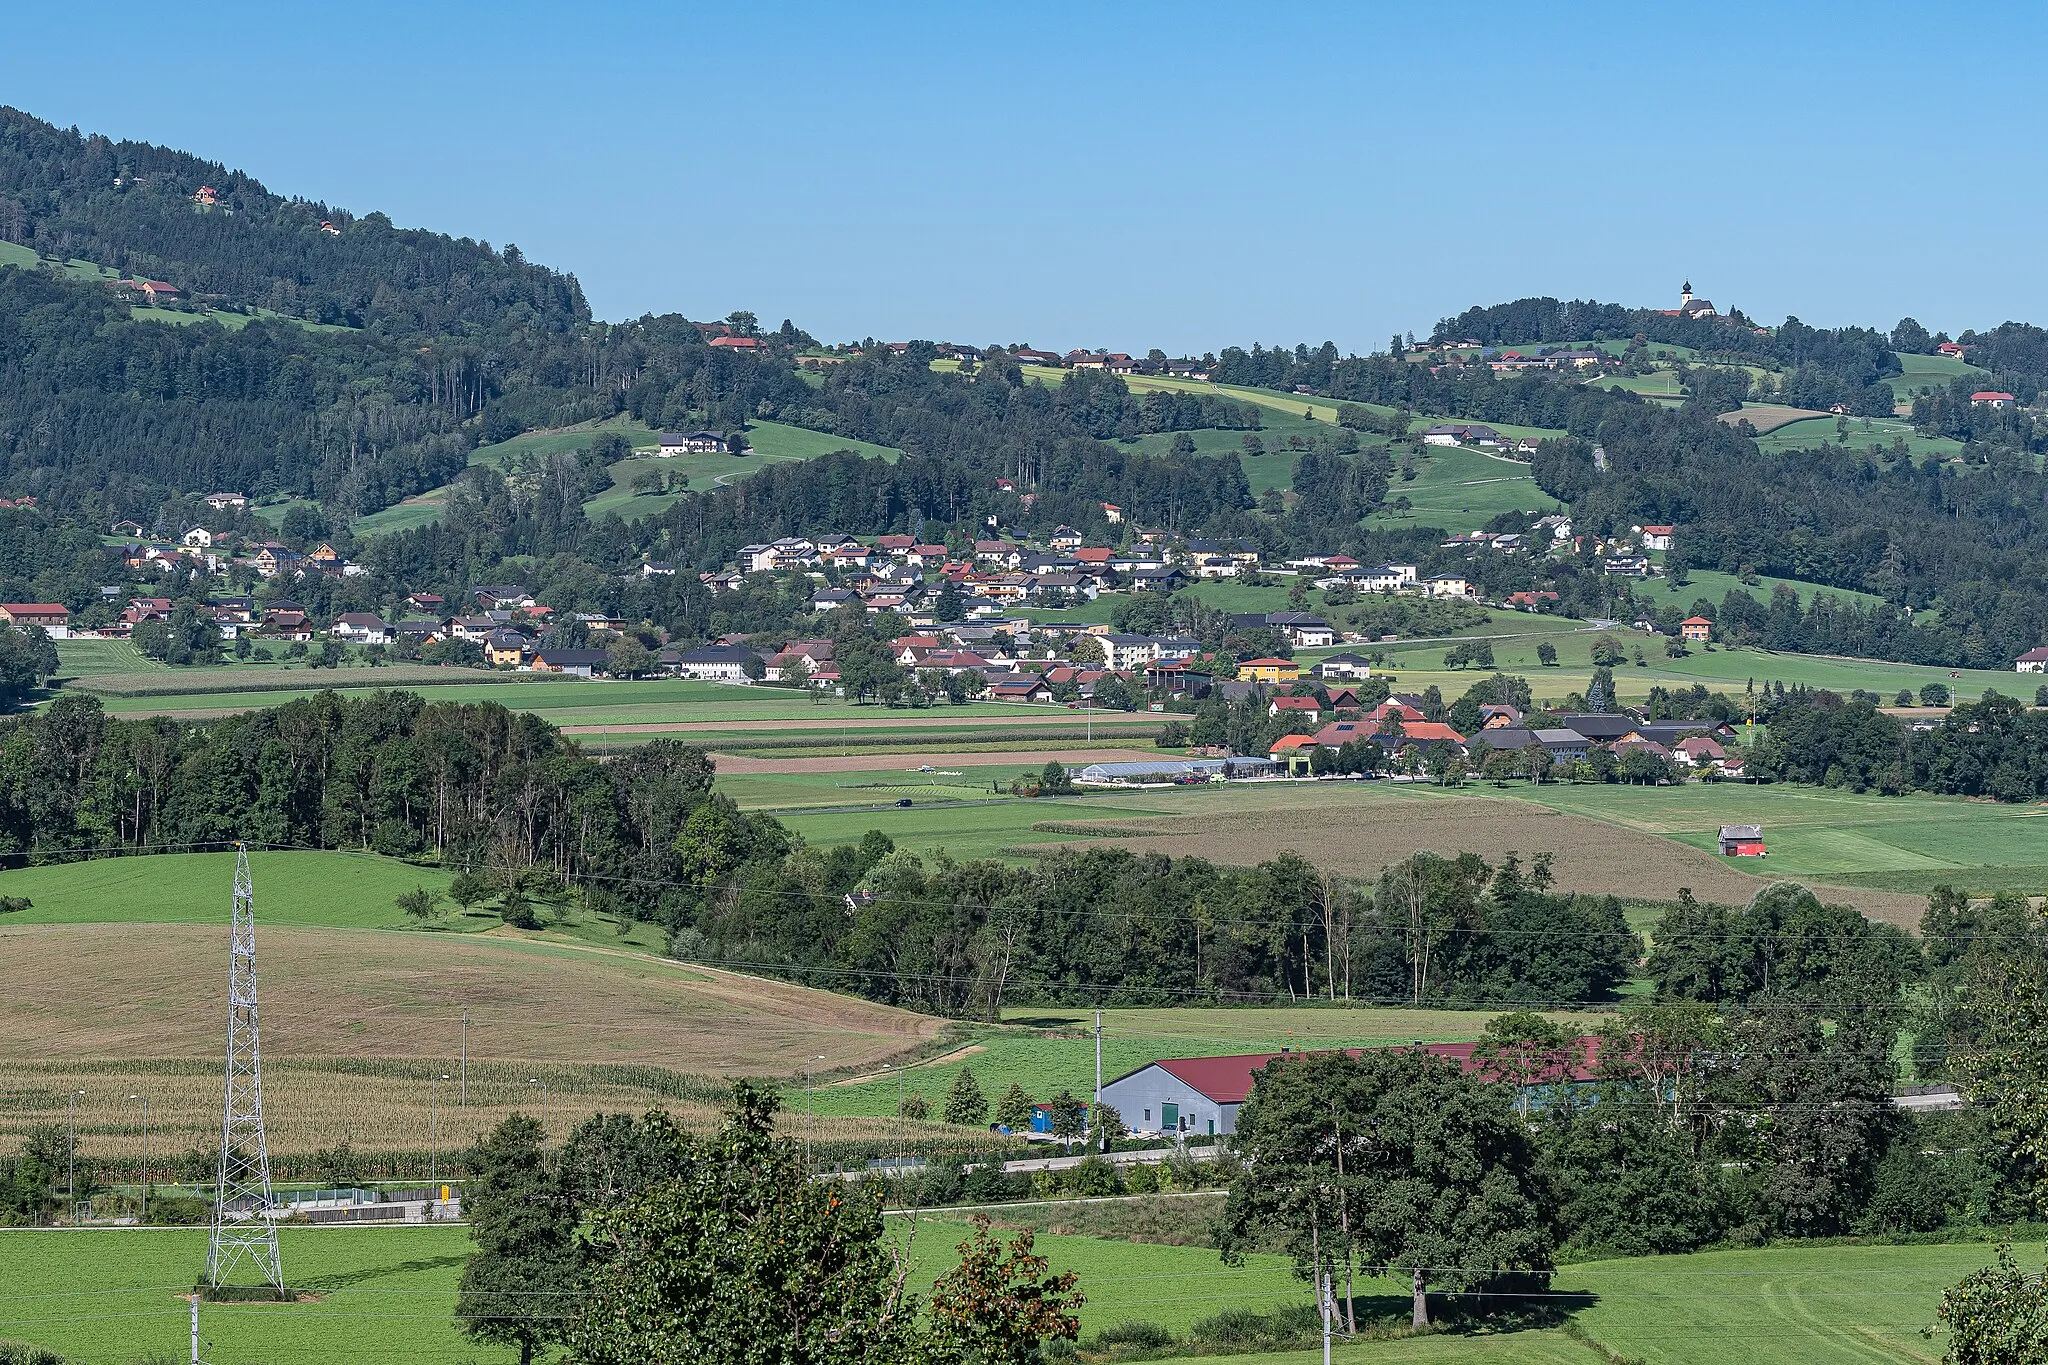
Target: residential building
(2033, 661)
(360, 628)
(1352, 666)
(1657, 537)
(1450, 585)
(505, 649)
(1268, 671)
(1992, 398)
(1696, 629)
(1459, 433)
(673, 443)
(716, 663)
(223, 501)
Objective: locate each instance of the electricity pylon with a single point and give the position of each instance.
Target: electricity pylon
(242, 1228)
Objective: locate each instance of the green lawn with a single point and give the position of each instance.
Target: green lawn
(1461, 489)
(337, 890)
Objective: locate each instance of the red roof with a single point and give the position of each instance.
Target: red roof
(1228, 1080)
(1297, 703)
(738, 343)
(1267, 663)
(1696, 621)
(35, 608)
(1657, 530)
(1991, 396)
(1289, 743)
(1429, 731)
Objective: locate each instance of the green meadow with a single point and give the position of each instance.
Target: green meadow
(293, 888)
(1456, 488)
(387, 1294)
(1863, 432)
(1917, 372)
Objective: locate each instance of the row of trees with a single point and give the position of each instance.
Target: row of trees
(964, 938)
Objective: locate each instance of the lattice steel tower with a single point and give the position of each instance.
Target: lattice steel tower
(241, 1231)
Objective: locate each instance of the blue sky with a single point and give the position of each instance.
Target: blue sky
(1188, 176)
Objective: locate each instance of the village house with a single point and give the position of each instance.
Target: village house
(1450, 585)
(2033, 661)
(1307, 710)
(505, 649)
(713, 663)
(1656, 537)
(360, 628)
(1695, 629)
(1458, 433)
(1268, 671)
(1992, 398)
(223, 501)
(1350, 666)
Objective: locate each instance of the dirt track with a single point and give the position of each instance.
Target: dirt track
(737, 764)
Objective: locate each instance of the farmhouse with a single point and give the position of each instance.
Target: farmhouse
(1457, 433)
(2033, 661)
(223, 501)
(1696, 629)
(1992, 398)
(53, 617)
(360, 627)
(675, 443)
(1202, 1095)
(1657, 537)
(1742, 841)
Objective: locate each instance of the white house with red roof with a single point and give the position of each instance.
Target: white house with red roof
(1992, 398)
(2033, 661)
(1202, 1095)
(53, 617)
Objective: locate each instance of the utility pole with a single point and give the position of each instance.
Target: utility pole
(434, 1137)
(195, 1327)
(1098, 1059)
(535, 1080)
(1323, 1296)
(71, 1150)
(144, 1182)
(465, 1056)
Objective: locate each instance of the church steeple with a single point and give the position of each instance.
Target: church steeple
(1685, 294)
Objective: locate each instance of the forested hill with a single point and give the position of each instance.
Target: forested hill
(130, 206)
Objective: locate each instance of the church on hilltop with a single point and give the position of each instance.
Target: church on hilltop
(1690, 307)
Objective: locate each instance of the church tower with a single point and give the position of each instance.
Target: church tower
(1685, 294)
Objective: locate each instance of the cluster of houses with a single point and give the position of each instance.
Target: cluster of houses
(200, 548)
(1331, 718)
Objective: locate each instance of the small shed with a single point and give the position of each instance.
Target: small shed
(1742, 841)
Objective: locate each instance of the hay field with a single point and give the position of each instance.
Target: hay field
(1351, 828)
(134, 990)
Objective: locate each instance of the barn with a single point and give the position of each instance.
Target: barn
(1742, 841)
(1201, 1096)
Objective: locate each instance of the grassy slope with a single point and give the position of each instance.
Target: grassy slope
(771, 442)
(1714, 585)
(1460, 489)
(1863, 433)
(1917, 372)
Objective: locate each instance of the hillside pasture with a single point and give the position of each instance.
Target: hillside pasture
(1917, 372)
(1816, 432)
(769, 443)
(1457, 488)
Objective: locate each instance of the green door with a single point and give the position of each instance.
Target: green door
(1169, 1118)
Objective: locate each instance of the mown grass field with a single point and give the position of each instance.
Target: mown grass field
(1714, 585)
(1460, 489)
(110, 1297)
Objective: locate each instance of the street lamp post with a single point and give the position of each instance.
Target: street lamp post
(535, 1080)
(145, 1155)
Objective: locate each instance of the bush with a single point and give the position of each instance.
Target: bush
(22, 1353)
(1135, 1334)
(179, 1211)
(1245, 1329)
(1095, 1177)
